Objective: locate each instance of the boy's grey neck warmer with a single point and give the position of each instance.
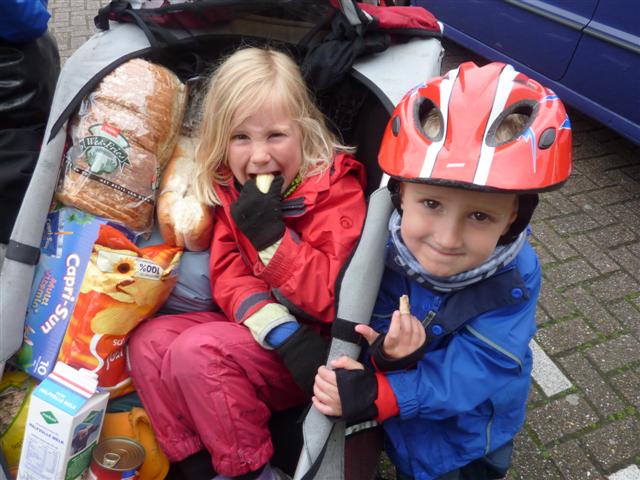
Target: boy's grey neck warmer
(501, 256)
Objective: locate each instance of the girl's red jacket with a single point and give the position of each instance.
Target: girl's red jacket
(323, 217)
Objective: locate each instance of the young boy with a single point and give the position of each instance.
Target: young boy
(448, 375)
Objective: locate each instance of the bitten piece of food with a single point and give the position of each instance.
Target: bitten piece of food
(404, 304)
(263, 182)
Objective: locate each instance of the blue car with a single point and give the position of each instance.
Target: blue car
(587, 51)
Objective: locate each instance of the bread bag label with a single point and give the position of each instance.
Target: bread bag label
(106, 154)
(105, 149)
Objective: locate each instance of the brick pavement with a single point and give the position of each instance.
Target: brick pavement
(589, 312)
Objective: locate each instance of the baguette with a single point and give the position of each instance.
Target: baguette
(183, 221)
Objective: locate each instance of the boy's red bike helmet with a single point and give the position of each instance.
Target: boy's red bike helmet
(467, 146)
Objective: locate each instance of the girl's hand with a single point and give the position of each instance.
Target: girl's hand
(405, 336)
(259, 215)
(326, 397)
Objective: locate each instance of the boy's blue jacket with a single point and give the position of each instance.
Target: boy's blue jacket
(467, 396)
(23, 20)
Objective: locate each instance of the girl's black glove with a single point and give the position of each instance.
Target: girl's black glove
(303, 353)
(259, 215)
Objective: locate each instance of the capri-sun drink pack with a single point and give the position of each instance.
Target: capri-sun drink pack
(92, 286)
(64, 253)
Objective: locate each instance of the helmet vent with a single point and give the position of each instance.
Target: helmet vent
(511, 123)
(395, 126)
(429, 120)
(547, 138)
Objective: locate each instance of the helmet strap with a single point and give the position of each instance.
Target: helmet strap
(393, 186)
(527, 203)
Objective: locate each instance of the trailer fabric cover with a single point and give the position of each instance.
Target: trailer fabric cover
(82, 72)
(85, 64)
(322, 453)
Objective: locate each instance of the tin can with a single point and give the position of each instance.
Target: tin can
(116, 458)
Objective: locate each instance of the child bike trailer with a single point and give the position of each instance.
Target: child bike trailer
(358, 60)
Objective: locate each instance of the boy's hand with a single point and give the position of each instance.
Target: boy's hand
(406, 335)
(326, 398)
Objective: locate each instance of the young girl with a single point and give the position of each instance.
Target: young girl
(210, 380)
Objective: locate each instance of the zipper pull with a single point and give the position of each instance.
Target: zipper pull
(431, 314)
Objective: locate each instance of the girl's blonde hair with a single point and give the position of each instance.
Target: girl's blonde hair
(243, 84)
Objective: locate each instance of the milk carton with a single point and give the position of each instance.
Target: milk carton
(63, 425)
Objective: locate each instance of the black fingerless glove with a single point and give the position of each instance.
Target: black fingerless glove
(386, 364)
(303, 353)
(259, 215)
(358, 391)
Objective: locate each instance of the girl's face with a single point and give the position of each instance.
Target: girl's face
(452, 230)
(268, 141)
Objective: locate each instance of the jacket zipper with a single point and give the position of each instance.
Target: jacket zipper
(431, 314)
(428, 318)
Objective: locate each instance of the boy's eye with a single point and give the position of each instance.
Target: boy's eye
(431, 203)
(479, 216)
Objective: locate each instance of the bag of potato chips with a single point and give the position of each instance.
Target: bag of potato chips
(122, 286)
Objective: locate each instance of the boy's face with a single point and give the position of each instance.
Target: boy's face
(452, 230)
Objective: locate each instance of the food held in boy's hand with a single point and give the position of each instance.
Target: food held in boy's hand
(264, 181)
(404, 304)
(183, 221)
